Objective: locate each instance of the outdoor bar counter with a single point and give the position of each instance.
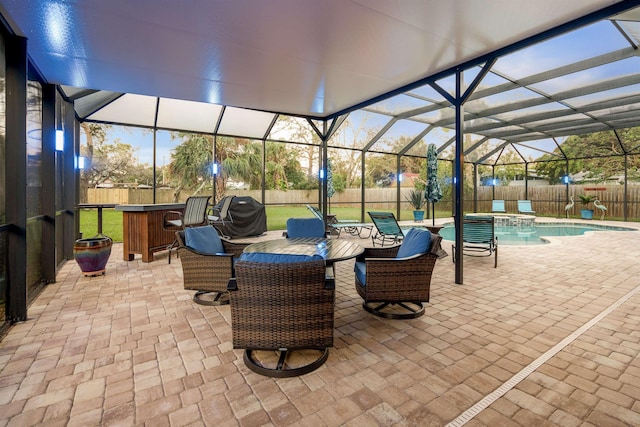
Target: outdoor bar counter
(142, 231)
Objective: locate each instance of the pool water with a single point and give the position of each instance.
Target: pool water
(534, 235)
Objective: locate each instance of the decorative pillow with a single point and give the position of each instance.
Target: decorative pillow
(305, 227)
(203, 239)
(417, 241)
(278, 258)
(360, 269)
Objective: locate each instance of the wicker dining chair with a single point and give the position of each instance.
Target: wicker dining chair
(282, 312)
(394, 281)
(208, 271)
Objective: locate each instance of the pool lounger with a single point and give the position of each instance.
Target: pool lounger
(355, 229)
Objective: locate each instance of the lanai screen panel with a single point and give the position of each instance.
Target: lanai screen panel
(358, 129)
(398, 136)
(438, 136)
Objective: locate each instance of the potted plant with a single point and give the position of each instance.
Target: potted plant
(417, 200)
(585, 212)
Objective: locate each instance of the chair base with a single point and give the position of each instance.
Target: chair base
(212, 298)
(280, 368)
(395, 310)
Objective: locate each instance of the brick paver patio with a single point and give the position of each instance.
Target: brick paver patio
(131, 348)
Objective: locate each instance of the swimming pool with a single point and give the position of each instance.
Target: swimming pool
(534, 234)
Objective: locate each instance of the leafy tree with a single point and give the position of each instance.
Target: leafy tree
(282, 166)
(299, 130)
(592, 154)
(113, 162)
(94, 134)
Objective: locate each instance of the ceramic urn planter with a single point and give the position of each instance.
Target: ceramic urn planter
(92, 254)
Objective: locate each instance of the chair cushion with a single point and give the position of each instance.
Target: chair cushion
(360, 268)
(203, 239)
(278, 258)
(305, 227)
(417, 241)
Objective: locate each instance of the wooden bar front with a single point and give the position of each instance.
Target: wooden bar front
(142, 229)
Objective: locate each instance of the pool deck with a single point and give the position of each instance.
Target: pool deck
(549, 338)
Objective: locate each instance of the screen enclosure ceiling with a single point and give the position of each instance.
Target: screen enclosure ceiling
(320, 58)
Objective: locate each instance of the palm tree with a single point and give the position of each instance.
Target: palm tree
(191, 163)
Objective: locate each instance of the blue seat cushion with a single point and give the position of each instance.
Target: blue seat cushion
(203, 239)
(278, 258)
(417, 241)
(305, 227)
(360, 268)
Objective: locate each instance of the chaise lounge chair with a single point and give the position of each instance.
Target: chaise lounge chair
(335, 225)
(524, 207)
(387, 228)
(498, 206)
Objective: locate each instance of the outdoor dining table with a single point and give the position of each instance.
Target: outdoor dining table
(332, 250)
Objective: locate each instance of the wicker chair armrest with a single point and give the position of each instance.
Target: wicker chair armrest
(186, 251)
(182, 250)
(436, 244)
(378, 252)
(234, 248)
(418, 258)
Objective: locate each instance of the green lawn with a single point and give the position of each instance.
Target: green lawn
(276, 219)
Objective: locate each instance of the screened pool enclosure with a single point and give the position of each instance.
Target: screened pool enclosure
(523, 100)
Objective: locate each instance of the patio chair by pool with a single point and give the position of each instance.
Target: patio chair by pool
(498, 206)
(282, 312)
(387, 228)
(195, 213)
(305, 227)
(395, 281)
(207, 263)
(524, 207)
(478, 237)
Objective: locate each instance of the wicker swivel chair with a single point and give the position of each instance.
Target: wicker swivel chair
(206, 270)
(282, 310)
(396, 280)
(195, 213)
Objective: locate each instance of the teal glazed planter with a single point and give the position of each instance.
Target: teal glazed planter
(418, 216)
(586, 213)
(92, 254)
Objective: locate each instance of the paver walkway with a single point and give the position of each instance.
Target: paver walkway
(131, 348)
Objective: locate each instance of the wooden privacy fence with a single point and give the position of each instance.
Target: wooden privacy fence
(383, 198)
(548, 200)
